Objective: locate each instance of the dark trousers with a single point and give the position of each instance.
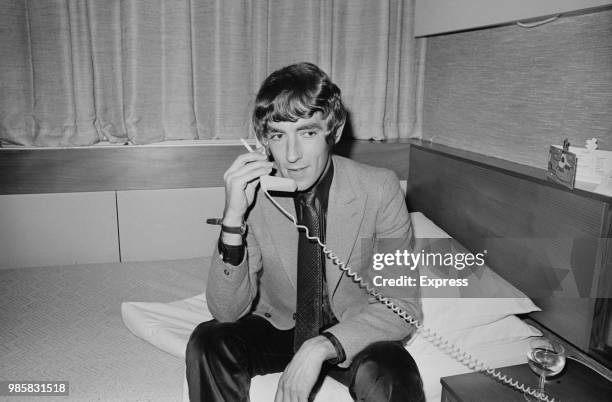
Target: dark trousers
(223, 357)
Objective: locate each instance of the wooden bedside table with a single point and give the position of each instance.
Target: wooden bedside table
(577, 383)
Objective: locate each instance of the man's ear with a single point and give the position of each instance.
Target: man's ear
(338, 133)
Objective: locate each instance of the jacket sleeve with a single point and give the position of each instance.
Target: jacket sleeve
(376, 322)
(230, 289)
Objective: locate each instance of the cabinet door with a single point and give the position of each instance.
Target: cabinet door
(58, 229)
(168, 224)
(440, 16)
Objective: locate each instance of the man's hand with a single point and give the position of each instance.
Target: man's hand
(302, 373)
(241, 180)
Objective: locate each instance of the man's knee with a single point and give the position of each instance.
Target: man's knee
(388, 355)
(385, 371)
(208, 337)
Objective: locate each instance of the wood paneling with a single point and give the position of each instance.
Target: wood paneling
(143, 167)
(544, 239)
(392, 155)
(113, 168)
(510, 92)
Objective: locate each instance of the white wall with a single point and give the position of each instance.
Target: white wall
(440, 16)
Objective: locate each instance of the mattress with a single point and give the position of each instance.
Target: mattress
(168, 326)
(499, 341)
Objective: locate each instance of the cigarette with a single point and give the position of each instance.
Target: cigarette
(246, 145)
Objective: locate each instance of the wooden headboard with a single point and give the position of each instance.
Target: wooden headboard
(548, 241)
(120, 168)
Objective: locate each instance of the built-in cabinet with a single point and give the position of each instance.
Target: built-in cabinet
(107, 226)
(443, 16)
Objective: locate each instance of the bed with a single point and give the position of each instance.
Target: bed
(68, 323)
(88, 323)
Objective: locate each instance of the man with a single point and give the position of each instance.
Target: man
(280, 303)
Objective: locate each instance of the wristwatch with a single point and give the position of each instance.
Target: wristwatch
(241, 230)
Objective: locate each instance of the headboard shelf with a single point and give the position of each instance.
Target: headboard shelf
(132, 167)
(510, 168)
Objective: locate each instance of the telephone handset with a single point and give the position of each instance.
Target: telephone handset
(271, 183)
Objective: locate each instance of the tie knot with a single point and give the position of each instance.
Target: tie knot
(307, 199)
(308, 209)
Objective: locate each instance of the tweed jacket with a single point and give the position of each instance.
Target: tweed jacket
(365, 203)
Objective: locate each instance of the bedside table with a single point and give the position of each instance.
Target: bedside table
(576, 382)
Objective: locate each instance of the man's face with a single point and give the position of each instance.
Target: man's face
(299, 149)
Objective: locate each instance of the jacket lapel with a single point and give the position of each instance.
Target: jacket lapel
(345, 212)
(284, 234)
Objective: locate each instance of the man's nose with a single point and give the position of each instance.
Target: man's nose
(294, 150)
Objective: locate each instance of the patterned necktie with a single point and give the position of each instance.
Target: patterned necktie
(309, 274)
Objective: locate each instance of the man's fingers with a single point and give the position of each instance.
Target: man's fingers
(279, 394)
(250, 166)
(283, 392)
(241, 179)
(297, 395)
(245, 159)
(290, 391)
(301, 396)
(238, 173)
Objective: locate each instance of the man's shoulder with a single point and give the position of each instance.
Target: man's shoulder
(362, 172)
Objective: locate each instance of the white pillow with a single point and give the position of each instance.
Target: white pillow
(507, 330)
(491, 299)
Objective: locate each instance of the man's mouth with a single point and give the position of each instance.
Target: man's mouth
(296, 171)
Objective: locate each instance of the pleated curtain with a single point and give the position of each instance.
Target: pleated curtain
(77, 72)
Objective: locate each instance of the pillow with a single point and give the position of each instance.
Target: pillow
(507, 330)
(424, 228)
(488, 299)
(166, 325)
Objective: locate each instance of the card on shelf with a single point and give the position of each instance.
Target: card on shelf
(561, 166)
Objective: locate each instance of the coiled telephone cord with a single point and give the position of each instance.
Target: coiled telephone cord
(452, 350)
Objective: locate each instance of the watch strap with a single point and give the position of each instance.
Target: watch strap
(241, 230)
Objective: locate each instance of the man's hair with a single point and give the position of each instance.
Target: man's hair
(297, 92)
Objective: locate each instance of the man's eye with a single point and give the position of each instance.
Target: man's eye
(309, 133)
(275, 136)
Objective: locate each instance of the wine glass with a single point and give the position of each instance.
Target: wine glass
(545, 358)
